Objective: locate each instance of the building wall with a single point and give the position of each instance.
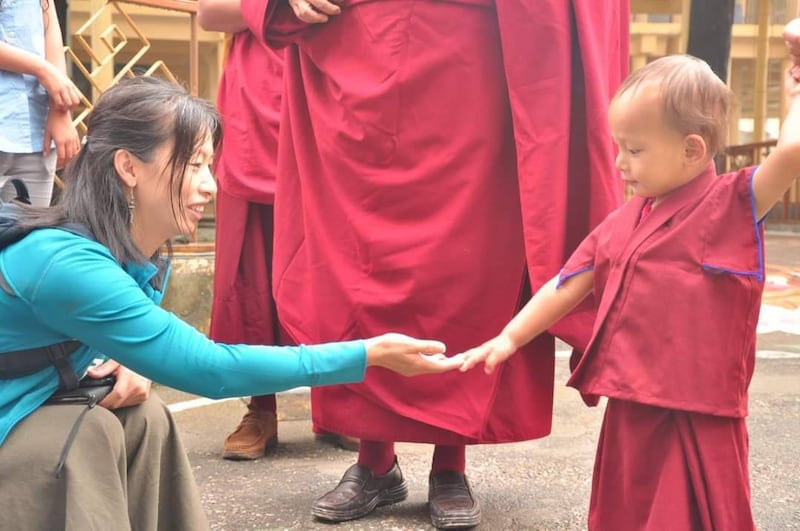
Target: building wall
(658, 27)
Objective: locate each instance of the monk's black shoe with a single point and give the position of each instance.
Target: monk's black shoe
(359, 492)
(451, 503)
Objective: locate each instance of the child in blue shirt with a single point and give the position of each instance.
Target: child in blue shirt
(37, 98)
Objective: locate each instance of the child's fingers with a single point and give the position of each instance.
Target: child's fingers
(791, 36)
(794, 72)
(472, 357)
(47, 141)
(61, 149)
(495, 358)
(74, 96)
(70, 150)
(491, 362)
(791, 32)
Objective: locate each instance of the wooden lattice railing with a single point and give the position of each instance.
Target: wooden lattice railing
(95, 49)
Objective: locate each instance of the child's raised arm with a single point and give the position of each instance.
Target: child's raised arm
(782, 167)
(548, 305)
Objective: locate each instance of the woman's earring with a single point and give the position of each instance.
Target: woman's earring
(131, 206)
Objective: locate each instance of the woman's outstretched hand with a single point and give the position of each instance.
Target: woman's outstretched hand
(409, 356)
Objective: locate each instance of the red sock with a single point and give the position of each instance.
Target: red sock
(378, 456)
(449, 458)
(264, 403)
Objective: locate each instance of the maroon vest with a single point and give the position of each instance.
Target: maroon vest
(679, 296)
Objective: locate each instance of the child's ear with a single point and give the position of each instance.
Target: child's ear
(695, 148)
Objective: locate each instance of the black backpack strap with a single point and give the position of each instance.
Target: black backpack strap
(21, 363)
(29, 361)
(59, 357)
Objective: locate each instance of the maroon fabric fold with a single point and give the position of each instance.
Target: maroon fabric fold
(665, 469)
(431, 156)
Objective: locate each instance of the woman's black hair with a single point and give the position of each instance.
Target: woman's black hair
(138, 115)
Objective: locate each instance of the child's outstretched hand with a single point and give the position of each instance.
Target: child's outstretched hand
(791, 36)
(493, 352)
(409, 356)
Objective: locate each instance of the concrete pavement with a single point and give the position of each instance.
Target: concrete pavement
(533, 485)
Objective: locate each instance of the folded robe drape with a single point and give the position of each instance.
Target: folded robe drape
(434, 159)
(249, 100)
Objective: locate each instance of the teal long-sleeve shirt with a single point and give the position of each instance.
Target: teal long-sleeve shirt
(69, 287)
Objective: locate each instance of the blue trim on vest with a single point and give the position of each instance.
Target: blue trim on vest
(757, 226)
(563, 278)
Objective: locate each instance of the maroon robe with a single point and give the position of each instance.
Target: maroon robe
(436, 159)
(249, 101)
(674, 349)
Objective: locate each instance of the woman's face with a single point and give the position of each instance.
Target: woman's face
(164, 208)
(199, 188)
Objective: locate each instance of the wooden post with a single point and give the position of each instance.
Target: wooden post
(194, 54)
(62, 10)
(760, 81)
(710, 25)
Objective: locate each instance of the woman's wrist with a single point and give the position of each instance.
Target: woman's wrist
(370, 352)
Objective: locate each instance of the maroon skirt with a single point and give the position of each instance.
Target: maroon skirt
(660, 469)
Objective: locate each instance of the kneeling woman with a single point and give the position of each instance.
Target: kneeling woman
(141, 178)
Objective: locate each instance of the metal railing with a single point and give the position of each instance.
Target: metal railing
(787, 211)
(743, 155)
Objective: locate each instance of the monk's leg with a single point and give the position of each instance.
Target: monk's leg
(374, 481)
(450, 500)
(242, 309)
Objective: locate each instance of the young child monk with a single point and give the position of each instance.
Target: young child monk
(678, 273)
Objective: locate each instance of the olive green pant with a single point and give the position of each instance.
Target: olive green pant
(126, 469)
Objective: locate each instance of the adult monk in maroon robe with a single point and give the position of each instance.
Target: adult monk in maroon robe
(243, 310)
(436, 161)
